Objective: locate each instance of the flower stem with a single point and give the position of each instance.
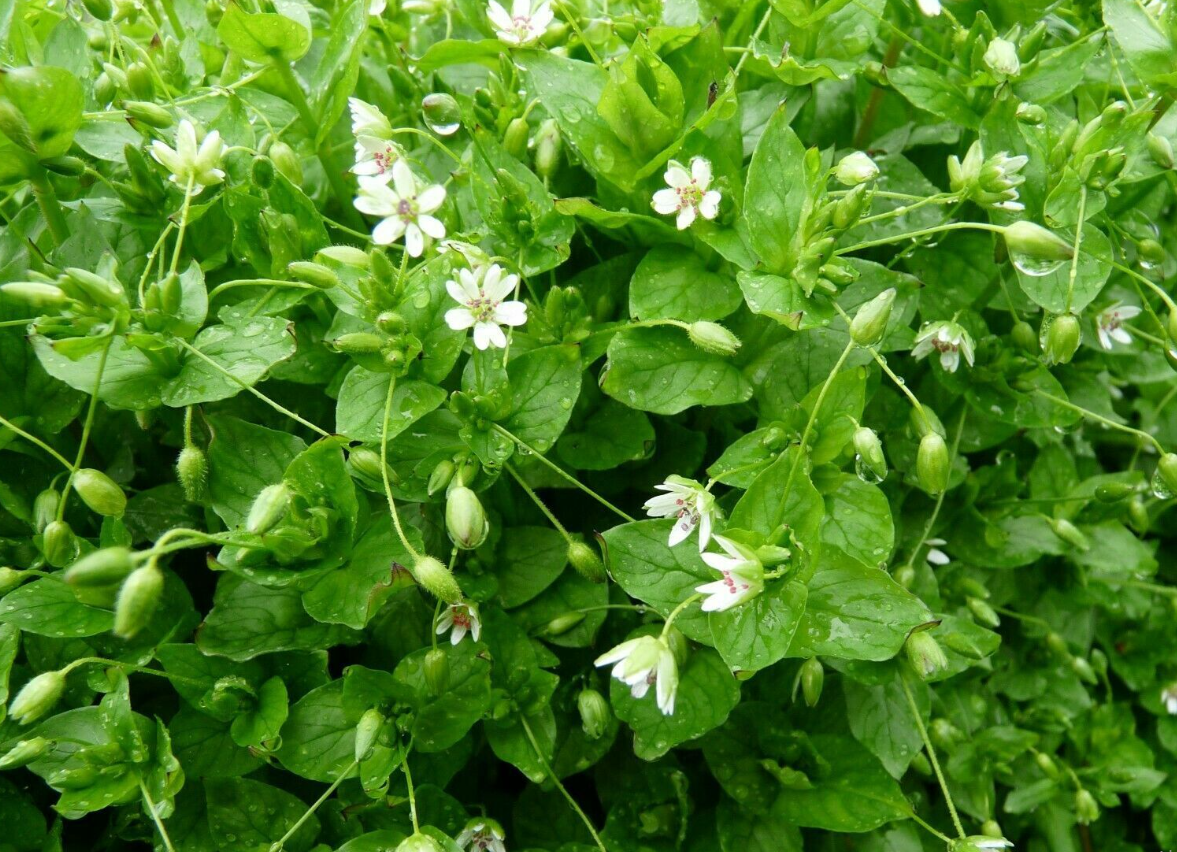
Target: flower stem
(163, 832)
(412, 794)
(677, 611)
(280, 844)
(183, 225)
(33, 439)
(86, 427)
(559, 784)
(919, 723)
(931, 522)
(913, 235)
(538, 502)
(821, 395)
(1078, 244)
(396, 520)
(1099, 418)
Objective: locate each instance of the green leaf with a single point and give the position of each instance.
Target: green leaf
(672, 284)
(783, 299)
(610, 436)
(545, 383)
(241, 352)
(660, 370)
(779, 190)
(1147, 46)
(442, 720)
(528, 560)
(263, 36)
(858, 520)
(782, 494)
(130, 380)
(256, 814)
(454, 51)
(881, 719)
(318, 738)
(742, 831)
(48, 607)
(1050, 290)
(243, 459)
(49, 102)
(758, 633)
(642, 102)
(264, 721)
(932, 91)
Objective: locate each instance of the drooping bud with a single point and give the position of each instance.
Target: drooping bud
(932, 465)
(148, 113)
(1030, 114)
(1086, 808)
(418, 842)
(10, 578)
(586, 562)
(1083, 669)
(65, 165)
(436, 578)
(348, 255)
(139, 81)
(561, 624)
(1167, 471)
(1060, 338)
(925, 654)
(1036, 242)
(37, 697)
(313, 273)
(367, 730)
(515, 138)
(1138, 517)
(595, 713)
(24, 752)
(1069, 533)
(1114, 492)
(58, 544)
(869, 454)
(101, 493)
(1046, 764)
(465, 519)
(1161, 150)
(856, 168)
(440, 478)
(812, 677)
(1024, 337)
(436, 668)
(36, 293)
(286, 161)
(192, 472)
(45, 508)
(547, 149)
(138, 598)
(870, 323)
(983, 612)
(365, 462)
(268, 508)
(101, 568)
(713, 338)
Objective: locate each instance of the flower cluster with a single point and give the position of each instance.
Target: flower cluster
(992, 182)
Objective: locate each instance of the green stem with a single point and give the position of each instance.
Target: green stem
(103, 661)
(257, 282)
(50, 206)
(1099, 418)
(559, 784)
(575, 24)
(33, 439)
(1078, 244)
(412, 795)
(939, 198)
(677, 611)
(538, 502)
(913, 235)
(281, 842)
(755, 35)
(163, 832)
(86, 427)
(821, 395)
(919, 723)
(183, 225)
(930, 828)
(396, 520)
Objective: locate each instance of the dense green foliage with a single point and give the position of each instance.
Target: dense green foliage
(698, 426)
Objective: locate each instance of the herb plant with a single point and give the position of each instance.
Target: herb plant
(587, 425)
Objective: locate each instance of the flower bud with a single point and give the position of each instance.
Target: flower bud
(442, 113)
(1114, 492)
(812, 676)
(103, 567)
(563, 623)
(856, 168)
(547, 149)
(515, 138)
(37, 697)
(869, 324)
(1024, 337)
(367, 730)
(348, 255)
(1030, 114)
(713, 338)
(1086, 808)
(1060, 339)
(1083, 669)
(24, 752)
(465, 519)
(1035, 242)
(45, 508)
(365, 463)
(358, 343)
(437, 579)
(595, 713)
(1161, 151)
(139, 81)
(65, 165)
(1046, 764)
(1138, 517)
(101, 493)
(440, 478)
(268, 508)
(904, 576)
(148, 113)
(586, 562)
(944, 734)
(1069, 533)
(313, 273)
(137, 600)
(1001, 58)
(846, 213)
(286, 161)
(925, 654)
(58, 544)
(99, 290)
(932, 465)
(192, 472)
(100, 9)
(419, 842)
(984, 613)
(36, 293)
(436, 668)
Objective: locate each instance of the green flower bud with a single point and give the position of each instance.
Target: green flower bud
(348, 255)
(440, 478)
(855, 169)
(103, 567)
(1046, 764)
(1083, 669)
(586, 562)
(45, 508)
(37, 697)
(713, 338)
(58, 544)
(1114, 492)
(390, 322)
(595, 713)
(547, 149)
(925, 654)
(921, 765)
(1060, 338)
(944, 734)
(10, 578)
(984, 613)
(192, 472)
(1167, 471)
(436, 578)
(561, 624)
(1138, 517)
(36, 293)
(441, 113)
(1001, 58)
(358, 343)
(148, 113)
(99, 290)
(932, 465)
(419, 842)
(1086, 808)
(465, 519)
(101, 493)
(904, 576)
(515, 139)
(869, 451)
(1035, 242)
(366, 464)
(286, 161)
(870, 323)
(963, 645)
(313, 273)
(1161, 151)
(100, 9)
(1151, 252)
(65, 165)
(847, 211)
(105, 88)
(367, 730)
(1030, 114)
(261, 172)
(812, 677)
(1069, 533)
(436, 668)
(140, 82)
(25, 752)
(467, 471)
(138, 598)
(1024, 337)
(171, 294)
(268, 508)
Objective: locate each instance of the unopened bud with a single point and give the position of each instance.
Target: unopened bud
(1061, 338)
(1024, 337)
(418, 842)
(192, 472)
(925, 654)
(515, 139)
(58, 544)
(440, 478)
(45, 508)
(1083, 669)
(286, 161)
(348, 255)
(365, 463)
(713, 338)
(103, 567)
(101, 493)
(1035, 242)
(1069, 533)
(1030, 114)
(465, 519)
(358, 343)
(856, 168)
(1046, 764)
(1167, 470)
(1161, 150)
(869, 450)
(442, 113)
(586, 562)
(984, 613)
(1001, 58)
(1114, 492)
(35, 293)
(65, 165)
(561, 624)
(148, 113)
(268, 508)
(1086, 808)
(547, 149)
(436, 668)
(436, 578)
(932, 464)
(99, 290)
(367, 730)
(24, 752)
(869, 324)
(313, 273)
(37, 697)
(812, 678)
(595, 713)
(138, 598)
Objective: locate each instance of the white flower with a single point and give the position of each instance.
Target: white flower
(689, 502)
(1001, 57)
(366, 120)
(482, 834)
(522, 24)
(642, 662)
(480, 292)
(188, 163)
(687, 193)
(458, 619)
(1109, 324)
(856, 168)
(949, 339)
(931, 8)
(992, 183)
(1169, 699)
(743, 576)
(374, 157)
(404, 208)
(936, 556)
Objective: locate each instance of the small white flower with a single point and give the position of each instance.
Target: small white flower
(992, 183)
(523, 24)
(931, 8)
(936, 556)
(405, 208)
(687, 194)
(374, 157)
(459, 619)
(856, 168)
(1109, 325)
(689, 502)
(481, 293)
(1169, 699)
(366, 120)
(949, 339)
(482, 835)
(743, 576)
(642, 663)
(189, 163)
